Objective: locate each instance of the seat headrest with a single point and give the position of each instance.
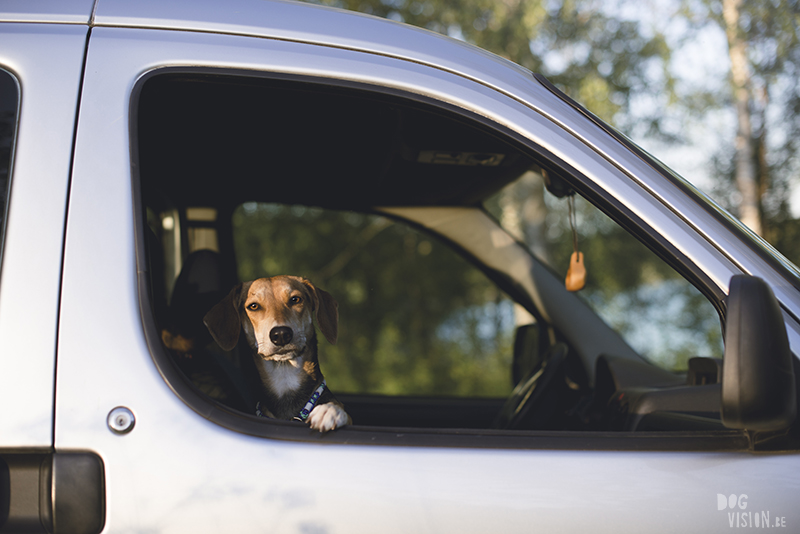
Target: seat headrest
(199, 286)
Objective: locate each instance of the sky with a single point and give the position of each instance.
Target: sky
(699, 60)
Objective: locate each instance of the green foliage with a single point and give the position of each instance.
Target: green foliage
(415, 318)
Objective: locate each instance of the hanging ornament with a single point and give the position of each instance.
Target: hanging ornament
(576, 274)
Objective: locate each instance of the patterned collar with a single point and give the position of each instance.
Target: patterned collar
(306, 411)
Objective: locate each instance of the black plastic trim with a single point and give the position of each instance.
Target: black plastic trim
(79, 493)
(24, 492)
(758, 384)
(11, 157)
(55, 493)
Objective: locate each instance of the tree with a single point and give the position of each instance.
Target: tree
(760, 159)
(744, 145)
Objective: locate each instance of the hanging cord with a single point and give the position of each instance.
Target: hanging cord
(573, 222)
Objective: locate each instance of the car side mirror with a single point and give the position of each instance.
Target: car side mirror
(758, 381)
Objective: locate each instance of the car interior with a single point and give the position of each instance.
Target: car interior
(453, 313)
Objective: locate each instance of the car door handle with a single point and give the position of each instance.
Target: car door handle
(53, 493)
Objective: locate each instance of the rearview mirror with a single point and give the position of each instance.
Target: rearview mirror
(758, 381)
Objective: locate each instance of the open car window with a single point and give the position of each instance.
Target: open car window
(415, 317)
(446, 253)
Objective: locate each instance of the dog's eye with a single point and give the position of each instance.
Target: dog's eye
(295, 300)
(254, 306)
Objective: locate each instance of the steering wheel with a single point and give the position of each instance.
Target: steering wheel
(528, 394)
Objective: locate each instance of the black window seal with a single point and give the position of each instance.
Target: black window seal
(417, 437)
(11, 157)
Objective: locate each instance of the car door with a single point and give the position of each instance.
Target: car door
(175, 465)
(40, 65)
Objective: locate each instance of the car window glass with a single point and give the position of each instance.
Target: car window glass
(661, 315)
(9, 104)
(415, 317)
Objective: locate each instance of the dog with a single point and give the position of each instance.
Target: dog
(277, 317)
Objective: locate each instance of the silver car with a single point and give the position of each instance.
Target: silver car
(154, 154)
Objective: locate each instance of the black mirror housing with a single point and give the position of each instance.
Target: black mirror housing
(758, 380)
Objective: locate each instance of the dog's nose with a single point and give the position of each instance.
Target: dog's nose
(281, 335)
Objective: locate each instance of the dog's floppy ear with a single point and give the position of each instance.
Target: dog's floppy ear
(223, 321)
(327, 311)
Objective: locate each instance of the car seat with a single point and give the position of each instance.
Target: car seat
(216, 373)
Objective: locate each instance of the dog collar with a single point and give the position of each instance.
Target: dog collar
(306, 411)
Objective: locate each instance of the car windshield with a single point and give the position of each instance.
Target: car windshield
(663, 317)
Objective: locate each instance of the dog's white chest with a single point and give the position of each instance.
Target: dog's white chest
(282, 377)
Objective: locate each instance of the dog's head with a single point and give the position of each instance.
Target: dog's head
(276, 315)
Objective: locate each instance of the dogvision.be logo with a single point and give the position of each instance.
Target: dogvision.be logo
(739, 516)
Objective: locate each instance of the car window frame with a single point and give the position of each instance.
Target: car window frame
(728, 440)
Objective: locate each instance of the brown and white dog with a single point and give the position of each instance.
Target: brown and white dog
(276, 316)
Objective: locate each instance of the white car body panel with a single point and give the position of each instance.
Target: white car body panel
(46, 59)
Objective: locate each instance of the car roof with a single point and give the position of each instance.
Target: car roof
(277, 19)
(303, 22)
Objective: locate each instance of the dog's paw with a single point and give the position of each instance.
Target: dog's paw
(325, 417)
